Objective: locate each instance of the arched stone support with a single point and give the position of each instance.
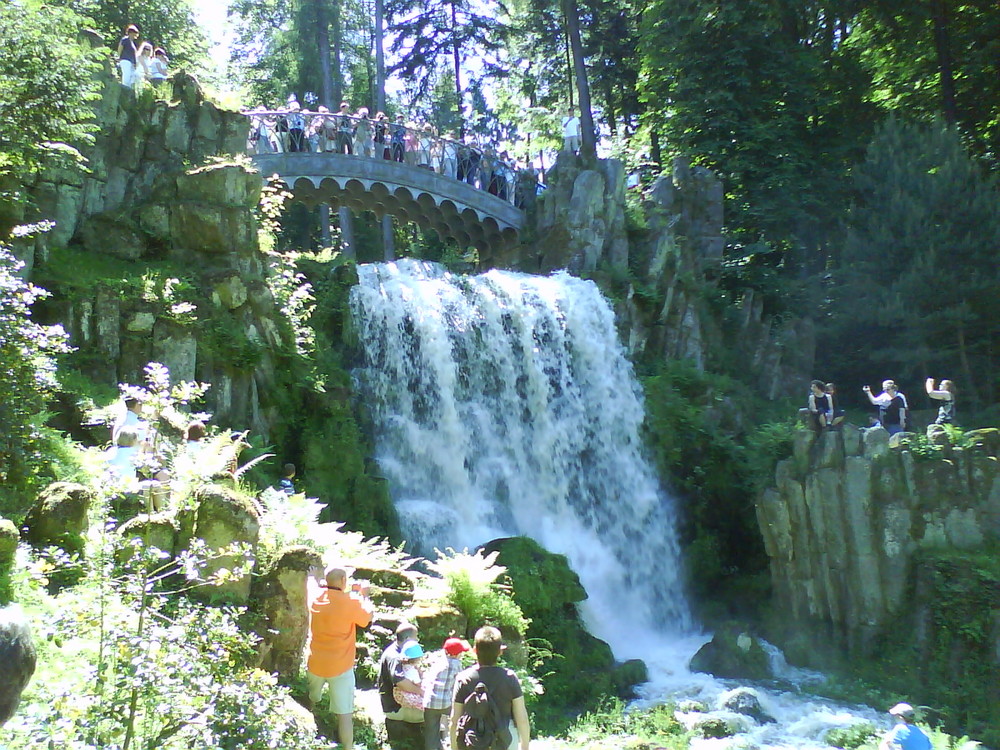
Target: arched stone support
(452, 209)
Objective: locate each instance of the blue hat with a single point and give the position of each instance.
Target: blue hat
(411, 650)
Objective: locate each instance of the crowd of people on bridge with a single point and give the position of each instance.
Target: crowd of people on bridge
(294, 129)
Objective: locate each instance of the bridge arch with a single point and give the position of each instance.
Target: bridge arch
(453, 209)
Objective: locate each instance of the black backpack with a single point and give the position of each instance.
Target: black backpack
(479, 726)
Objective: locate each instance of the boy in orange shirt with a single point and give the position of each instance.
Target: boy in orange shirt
(334, 616)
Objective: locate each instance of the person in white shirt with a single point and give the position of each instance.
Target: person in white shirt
(571, 131)
(158, 67)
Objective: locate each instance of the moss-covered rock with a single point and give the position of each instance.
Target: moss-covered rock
(59, 517)
(158, 531)
(8, 549)
(583, 668)
(224, 517)
(278, 612)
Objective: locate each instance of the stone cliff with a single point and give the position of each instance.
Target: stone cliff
(657, 253)
(887, 553)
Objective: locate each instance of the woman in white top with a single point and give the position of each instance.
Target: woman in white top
(158, 67)
(363, 134)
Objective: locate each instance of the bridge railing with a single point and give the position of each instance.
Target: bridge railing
(331, 132)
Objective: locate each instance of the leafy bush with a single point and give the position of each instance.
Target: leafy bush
(471, 586)
(27, 361)
(852, 737)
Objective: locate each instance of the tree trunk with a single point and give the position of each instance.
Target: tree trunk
(388, 241)
(946, 65)
(963, 355)
(588, 138)
(379, 56)
(456, 54)
(323, 46)
(336, 26)
(347, 233)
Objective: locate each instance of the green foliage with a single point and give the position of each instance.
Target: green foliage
(169, 24)
(27, 364)
(612, 726)
(853, 737)
(698, 438)
(472, 588)
(47, 82)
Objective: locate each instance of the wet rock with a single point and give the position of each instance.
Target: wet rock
(744, 700)
(733, 653)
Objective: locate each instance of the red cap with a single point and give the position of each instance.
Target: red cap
(456, 646)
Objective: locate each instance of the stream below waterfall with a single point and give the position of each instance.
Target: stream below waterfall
(504, 404)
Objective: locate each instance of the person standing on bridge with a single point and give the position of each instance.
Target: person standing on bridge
(449, 156)
(382, 136)
(363, 134)
(397, 135)
(345, 130)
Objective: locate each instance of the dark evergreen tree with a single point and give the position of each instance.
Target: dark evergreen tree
(915, 293)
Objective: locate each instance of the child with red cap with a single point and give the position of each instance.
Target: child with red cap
(439, 686)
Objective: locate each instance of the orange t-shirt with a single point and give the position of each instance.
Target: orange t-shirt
(333, 618)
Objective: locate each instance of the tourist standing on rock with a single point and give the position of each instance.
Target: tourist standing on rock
(819, 404)
(158, 67)
(571, 131)
(892, 407)
(905, 735)
(502, 688)
(403, 728)
(946, 395)
(334, 616)
(143, 62)
(127, 51)
(439, 687)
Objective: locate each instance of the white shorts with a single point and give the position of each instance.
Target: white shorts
(341, 691)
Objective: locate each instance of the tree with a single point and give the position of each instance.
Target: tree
(919, 269)
(47, 84)
(767, 95)
(934, 58)
(424, 33)
(27, 377)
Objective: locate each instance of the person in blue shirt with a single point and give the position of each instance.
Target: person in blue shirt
(287, 484)
(905, 735)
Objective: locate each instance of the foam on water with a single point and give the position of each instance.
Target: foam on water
(504, 405)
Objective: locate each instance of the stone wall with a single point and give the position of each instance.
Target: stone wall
(848, 517)
(163, 230)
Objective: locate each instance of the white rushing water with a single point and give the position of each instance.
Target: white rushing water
(504, 405)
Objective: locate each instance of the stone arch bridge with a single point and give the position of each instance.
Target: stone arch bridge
(453, 209)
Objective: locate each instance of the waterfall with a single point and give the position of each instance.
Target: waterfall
(504, 405)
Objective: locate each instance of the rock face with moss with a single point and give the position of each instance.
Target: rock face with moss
(548, 591)
(873, 552)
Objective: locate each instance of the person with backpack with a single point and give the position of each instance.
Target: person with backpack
(488, 711)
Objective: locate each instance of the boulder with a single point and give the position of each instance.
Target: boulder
(735, 654)
(17, 654)
(874, 441)
(59, 517)
(901, 439)
(224, 517)
(277, 598)
(156, 531)
(746, 701)
(386, 578)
